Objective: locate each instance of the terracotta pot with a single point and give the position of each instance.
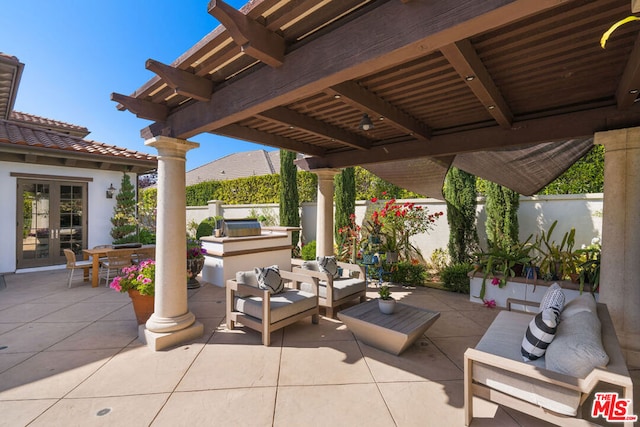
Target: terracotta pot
(194, 267)
(142, 305)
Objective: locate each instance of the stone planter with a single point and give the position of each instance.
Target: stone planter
(194, 267)
(520, 288)
(386, 306)
(143, 305)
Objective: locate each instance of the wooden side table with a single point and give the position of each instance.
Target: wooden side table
(393, 333)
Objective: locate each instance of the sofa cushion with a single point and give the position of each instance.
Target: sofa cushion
(269, 279)
(329, 265)
(342, 287)
(503, 338)
(554, 297)
(283, 305)
(540, 333)
(577, 347)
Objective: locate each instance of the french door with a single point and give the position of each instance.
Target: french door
(51, 217)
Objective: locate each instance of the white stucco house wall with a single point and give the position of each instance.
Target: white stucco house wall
(53, 183)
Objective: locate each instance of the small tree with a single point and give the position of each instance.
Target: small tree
(345, 199)
(289, 201)
(460, 195)
(124, 213)
(502, 216)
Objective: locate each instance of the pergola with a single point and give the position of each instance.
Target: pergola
(512, 91)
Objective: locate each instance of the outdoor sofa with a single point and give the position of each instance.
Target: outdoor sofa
(554, 387)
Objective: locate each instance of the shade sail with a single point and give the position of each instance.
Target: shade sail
(525, 170)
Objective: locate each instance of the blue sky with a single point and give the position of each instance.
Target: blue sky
(77, 52)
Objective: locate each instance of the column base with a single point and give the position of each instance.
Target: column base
(161, 340)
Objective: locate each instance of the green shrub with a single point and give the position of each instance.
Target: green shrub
(206, 227)
(406, 272)
(455, 277)
(146, 237)
(308, 251)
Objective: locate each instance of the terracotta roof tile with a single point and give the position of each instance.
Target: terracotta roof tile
(51, 124)
(16, 133)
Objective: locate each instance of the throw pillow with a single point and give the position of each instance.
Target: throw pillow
(539, 334)
(577, 348)
(584, 302)
(269, 279)
(554, 297)
(329, 265)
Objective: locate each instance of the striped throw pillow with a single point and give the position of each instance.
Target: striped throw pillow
(554, 297)
(540, 333)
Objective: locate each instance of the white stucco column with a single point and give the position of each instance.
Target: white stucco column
(620, 264)
(171, 323)
(324, 220)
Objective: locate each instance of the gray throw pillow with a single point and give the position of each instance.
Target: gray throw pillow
(577, 347)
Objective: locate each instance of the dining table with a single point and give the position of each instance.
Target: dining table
(96, 253)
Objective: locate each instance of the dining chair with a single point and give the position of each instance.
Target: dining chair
(73, 263)
(115, 262)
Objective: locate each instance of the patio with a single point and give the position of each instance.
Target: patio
(71, 357)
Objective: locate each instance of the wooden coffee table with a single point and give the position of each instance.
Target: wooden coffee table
(393, 333)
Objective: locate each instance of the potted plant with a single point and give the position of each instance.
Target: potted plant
(195, 262)
(557, 260)
(139, 282)
(390, 247)
(503, 263)
(386, 303)
(589, 269)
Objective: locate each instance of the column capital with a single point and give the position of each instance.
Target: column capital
(167, 146)
(628, 138)
(327, 173)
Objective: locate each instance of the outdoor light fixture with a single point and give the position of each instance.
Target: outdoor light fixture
(110, 191)
(365, 123)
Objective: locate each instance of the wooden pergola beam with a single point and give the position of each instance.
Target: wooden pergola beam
(464, 59)
(417, 28)
(308, 124)
(141, 108)
(576, 125)
(360, 98)
(629, 86)
(264, 138)
(183, 82)
(254, 39)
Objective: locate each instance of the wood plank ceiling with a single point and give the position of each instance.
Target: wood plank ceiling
(438, 78)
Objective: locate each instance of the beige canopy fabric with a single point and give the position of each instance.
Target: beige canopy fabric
(524, 170)
(421, 175)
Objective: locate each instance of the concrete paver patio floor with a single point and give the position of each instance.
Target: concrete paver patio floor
(70, 357)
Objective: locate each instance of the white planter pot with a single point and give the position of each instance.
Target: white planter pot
(387, 306)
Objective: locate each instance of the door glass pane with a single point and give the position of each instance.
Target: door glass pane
(35, 221)
(71, 218)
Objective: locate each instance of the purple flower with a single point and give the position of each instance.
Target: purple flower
(489, 303)
(495, 281)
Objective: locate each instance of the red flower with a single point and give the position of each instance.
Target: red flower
(374, 199)
(495, 281)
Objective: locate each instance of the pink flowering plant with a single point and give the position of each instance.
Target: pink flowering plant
(139, 277)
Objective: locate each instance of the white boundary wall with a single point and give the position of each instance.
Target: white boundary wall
(537, 213)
